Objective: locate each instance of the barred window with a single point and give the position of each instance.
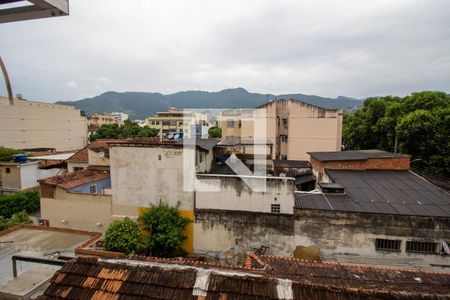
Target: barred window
(388, 245)
(421, 247)
(275, 208)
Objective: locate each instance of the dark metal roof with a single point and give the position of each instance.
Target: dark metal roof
(205, 144)
(279, 163)
(352, 155)
(385, 192)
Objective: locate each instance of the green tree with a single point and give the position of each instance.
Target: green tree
(214, 132)
(16, 219)
(420, 122)
(123, 236)
(15, 203)
(129, 129)
(165, 227)
(7, 153)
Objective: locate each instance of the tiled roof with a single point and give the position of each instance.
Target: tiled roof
(385, 192)
(79, 157)
(340, 281)
(76, 178)
(352, 155)
(263, 277)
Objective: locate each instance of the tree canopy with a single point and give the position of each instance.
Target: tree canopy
(123, 236)
(7, 153)
(214, 132)
(420, 122)
(130, 129)
(165, 227)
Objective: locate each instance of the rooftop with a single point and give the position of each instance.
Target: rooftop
(384, 192)
(353, 155)
(262, 277)
(70, 180)
(37, 241)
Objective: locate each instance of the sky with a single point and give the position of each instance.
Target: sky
(321, 47)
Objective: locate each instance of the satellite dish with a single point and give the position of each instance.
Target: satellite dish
(177, 136)
(170, 136)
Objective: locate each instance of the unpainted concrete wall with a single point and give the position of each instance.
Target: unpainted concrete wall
(340, 233)
(235, 195)
(229, 235)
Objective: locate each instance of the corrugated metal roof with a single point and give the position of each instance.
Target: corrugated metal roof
(385, 192)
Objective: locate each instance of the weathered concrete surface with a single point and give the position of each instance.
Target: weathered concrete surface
(236, 195)
(228, 235)
(28, 284)
(354, 234)
(33, 242)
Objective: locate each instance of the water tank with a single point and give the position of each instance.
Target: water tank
(20, 158)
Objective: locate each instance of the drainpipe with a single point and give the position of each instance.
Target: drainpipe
(8, 84)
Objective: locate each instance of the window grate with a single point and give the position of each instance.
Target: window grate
(275, 208)
(388, 245)
(421, 247)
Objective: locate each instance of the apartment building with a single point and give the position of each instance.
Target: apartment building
(97, 120)
(186, 124)
(120, 117)
(292, 127)
(29, 125)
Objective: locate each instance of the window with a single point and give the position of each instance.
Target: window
(8, 170)
(388, 245)
(285, 122)
(275, 208)
(421, 247)
(283, 157)
(77, 169)
(93, 189)
(230, 124)
(283, 139)
(240, 124)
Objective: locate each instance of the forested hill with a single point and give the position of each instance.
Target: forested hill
(140, 105)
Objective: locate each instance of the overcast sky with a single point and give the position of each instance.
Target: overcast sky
(326, 48)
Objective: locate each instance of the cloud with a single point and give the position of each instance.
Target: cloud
(72, 84)
(322, 47)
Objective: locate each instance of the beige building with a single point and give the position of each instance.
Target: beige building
(293, 128)
(97, 120)
(29, 125)
(174, 120)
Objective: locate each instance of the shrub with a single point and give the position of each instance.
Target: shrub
(16, 219)
(15, 203)
(123, 236)
(7, 153)
(165, 226)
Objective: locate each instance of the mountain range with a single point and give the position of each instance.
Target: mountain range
(140, 105)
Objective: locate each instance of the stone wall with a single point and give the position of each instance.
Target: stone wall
(228, 235)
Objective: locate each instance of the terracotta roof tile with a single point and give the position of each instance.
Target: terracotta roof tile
(70, 180)
(79, 157)
(93, 278)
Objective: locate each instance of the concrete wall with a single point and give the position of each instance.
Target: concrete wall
(354, 234)
(97, 158)
(229, 235)
(85, 188)
(11, 180)
(79, 211)
(142, 176)
(28, 124)
(236, 195)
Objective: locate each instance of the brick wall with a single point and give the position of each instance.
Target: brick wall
(47, 191)
(388, 163)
